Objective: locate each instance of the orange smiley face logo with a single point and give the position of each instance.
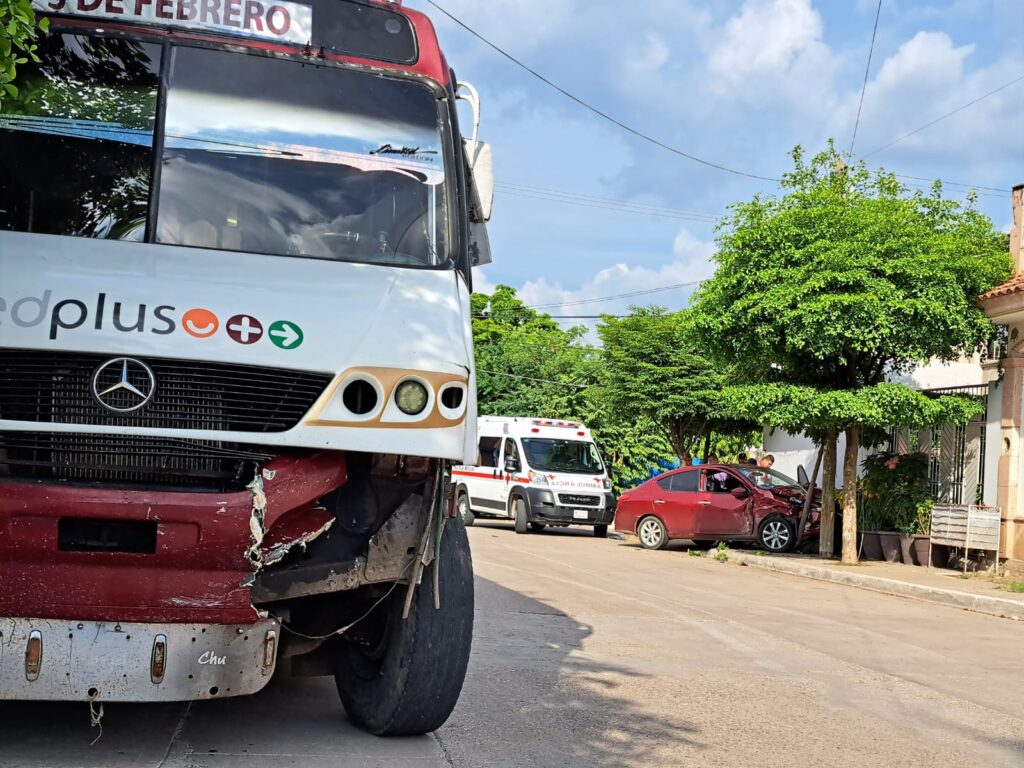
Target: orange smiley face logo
(201, 323)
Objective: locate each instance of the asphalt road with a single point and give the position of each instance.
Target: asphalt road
(596, 653)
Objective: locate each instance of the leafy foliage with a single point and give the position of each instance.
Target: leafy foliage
(844, 280)
(17, 32)
(656, 371)
(528, 365)
(848, 277)
(894, 489)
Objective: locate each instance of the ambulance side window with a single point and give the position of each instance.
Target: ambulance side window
(489, 448)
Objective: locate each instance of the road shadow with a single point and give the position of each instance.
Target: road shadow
(534, 697)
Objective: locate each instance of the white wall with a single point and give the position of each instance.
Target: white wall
(993, 442)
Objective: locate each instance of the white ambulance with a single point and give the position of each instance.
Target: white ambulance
(536, 472)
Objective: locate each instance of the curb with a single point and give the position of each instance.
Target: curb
(993, 606)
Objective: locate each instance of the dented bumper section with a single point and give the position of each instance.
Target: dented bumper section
(107, 554)
(69, 660)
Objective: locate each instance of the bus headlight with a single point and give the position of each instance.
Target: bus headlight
(411, 397)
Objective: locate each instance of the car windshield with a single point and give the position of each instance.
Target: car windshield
(258, 154)
(768, 478)
(572, 456)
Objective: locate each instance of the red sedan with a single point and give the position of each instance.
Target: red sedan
(716, 503)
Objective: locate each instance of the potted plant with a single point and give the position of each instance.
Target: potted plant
(895, 485)
(922, 532)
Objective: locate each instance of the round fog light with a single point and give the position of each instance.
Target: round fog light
(411, 397)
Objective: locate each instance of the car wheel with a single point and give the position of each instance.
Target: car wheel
(601, 531)
(403, 677)
(652, 533)
(776, 534)
(537, 527)
(519, 514)
(468, 518)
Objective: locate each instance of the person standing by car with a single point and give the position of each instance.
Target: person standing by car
(766, 462)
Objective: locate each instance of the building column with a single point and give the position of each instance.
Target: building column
(1008, 495)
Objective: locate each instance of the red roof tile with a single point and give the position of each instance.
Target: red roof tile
(1014, 285)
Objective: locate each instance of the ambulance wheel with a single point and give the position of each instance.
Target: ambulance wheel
(519, 514)
(403, 677)
(464, 511)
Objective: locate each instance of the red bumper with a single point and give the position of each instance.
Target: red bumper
(196, 574)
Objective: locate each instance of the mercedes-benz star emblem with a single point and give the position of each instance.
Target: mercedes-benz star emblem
(124, 385)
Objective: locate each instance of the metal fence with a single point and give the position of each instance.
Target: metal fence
(956, 468)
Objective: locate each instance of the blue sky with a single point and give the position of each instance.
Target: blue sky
(738, 82)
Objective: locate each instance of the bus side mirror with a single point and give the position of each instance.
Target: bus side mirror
(479, 245)
(480, 159)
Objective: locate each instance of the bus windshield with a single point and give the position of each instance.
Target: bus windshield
(258, 154)
(573, 456)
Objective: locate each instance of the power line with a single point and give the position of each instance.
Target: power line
(959, 109)
(595, 110)
(589, 201)
(530, 378)
(867, 72)
(1002, 192)
(617, 297)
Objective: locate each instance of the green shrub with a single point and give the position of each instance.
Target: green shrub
(895, 493)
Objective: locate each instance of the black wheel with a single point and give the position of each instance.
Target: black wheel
(403, 677)
(776, 534)
(704, 543)
(464, 511)
(537, 527)
(652, 533)
(601, 531)
(519, 514)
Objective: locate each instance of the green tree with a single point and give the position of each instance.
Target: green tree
(836, 285)
(528, 365)
(17, 33)
(655, 372)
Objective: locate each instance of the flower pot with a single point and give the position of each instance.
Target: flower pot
(871, 546)
(907, 548)
(920, 550)
(890, 546)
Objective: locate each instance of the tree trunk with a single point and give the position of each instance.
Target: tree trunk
(809, 497)
(826, 543)
(707, 445)
(850, 496)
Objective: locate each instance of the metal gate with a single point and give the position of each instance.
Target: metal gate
(956, 470)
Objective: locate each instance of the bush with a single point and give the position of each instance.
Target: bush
(895, 493)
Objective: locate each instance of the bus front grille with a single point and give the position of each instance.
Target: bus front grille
(130, 462)
(57, 388)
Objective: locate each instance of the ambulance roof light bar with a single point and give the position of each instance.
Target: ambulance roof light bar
(548, 423)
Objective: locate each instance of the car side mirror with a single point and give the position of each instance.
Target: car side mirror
(511, 466)
(801, 476)
(740, 493)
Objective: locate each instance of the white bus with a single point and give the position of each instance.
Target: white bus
(537, 473)
(236, 360)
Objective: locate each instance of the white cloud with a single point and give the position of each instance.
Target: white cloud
(772, 49)
(691, 262)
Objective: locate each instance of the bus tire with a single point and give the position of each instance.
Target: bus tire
(468, 518)
(519, 514)
(408, 680)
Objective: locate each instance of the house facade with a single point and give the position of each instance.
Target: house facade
(1004, 305)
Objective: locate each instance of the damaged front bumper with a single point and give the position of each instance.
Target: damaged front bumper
(68, 660)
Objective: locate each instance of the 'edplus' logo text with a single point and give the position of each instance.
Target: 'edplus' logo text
(163, 320)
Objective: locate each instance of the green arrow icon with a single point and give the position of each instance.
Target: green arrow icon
(286, 335)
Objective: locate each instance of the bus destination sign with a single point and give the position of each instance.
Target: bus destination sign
(265, 19)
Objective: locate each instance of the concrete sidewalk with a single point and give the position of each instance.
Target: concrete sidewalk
(936, 585)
